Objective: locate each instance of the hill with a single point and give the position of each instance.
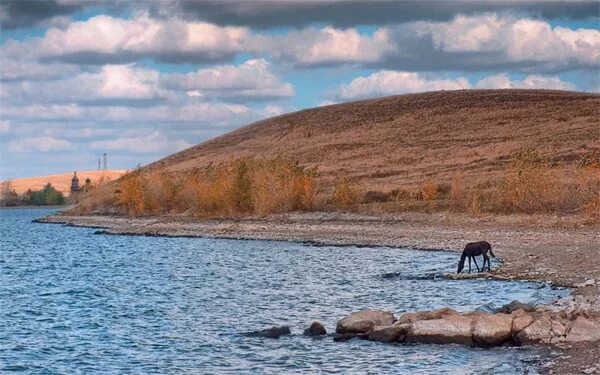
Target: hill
(62, 182)
(405, 140)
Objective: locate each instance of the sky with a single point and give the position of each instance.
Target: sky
(139, 80)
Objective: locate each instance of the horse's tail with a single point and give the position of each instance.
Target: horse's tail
(491, 252)
(461, 262)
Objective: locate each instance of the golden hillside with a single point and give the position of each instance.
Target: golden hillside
(407, 139)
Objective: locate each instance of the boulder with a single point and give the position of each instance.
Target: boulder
(364, 321)
(492, 329)
(272, 333)
(582, 329)
(514, 306)
(389, 334)
(521, 320)
(541, 331)
(426, 315)
(315, 329)
(450, 330)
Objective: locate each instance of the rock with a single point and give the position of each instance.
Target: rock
(364, 321)
(576, 313)
(521, 320)
(582, 329)
(426, 315)
(450, 330)
(388, 334)
(515, 305)
(558, 332)
(542, 331)
(492, 329)
(589, 282)
(315, 329)
(272, 333)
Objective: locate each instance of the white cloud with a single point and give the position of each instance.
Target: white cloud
(475, 42)
(40, 144)
(155, 142)
(110, 83)
(105, 39)
(387, 82)
(325, 46)
(43, 112)
(252, 80)
(31, 70)
(4, 126)
(502, 81)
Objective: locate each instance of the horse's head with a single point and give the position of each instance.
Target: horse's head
(461, 265)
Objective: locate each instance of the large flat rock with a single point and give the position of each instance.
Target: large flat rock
(450, 330)
(364, 321)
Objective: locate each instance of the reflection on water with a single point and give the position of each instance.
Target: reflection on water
(72, 301)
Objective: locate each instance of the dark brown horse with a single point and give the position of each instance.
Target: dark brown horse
(472, 250)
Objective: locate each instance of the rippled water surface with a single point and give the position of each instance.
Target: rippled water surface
(75, 302)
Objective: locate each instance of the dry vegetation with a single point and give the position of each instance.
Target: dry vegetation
(234, 188)
(491, 151)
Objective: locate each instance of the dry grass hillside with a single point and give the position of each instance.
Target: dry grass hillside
(498, 151)
(62, 182)
(404, 140)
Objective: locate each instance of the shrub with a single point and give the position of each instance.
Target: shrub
(376, 197)
(345, 194)
(131, 192)
(429, 191)
(474, 206)
(457, 191)
(401, 195)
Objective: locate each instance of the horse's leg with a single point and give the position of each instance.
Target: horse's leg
(486, 258)
(476, 265)
(469, 264)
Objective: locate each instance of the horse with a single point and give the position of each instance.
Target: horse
(472, 250)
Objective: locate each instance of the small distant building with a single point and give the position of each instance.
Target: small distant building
(75, 188)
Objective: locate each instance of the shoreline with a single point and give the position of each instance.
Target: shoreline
(546, 249)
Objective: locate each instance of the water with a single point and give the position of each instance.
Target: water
(75, 302)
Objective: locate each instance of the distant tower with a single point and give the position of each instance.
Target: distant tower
(75, 184)
(98, 162)
(104, 156)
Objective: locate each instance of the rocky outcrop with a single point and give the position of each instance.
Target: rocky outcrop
(315, 329)
(271, 333)
(446, 326)
(582, 329)
(389, 334)
(449, 330)
(492, 329)
(521, 320)
(514, 306)
(426, 315)
(538, 332)
(364, 321)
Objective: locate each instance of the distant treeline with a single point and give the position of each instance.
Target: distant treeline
(47, 196)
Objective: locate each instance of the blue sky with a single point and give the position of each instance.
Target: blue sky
(141, 80)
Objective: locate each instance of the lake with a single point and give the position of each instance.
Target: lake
(72, 301)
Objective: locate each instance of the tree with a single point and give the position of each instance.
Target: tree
(8, 196)
(47, 196)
